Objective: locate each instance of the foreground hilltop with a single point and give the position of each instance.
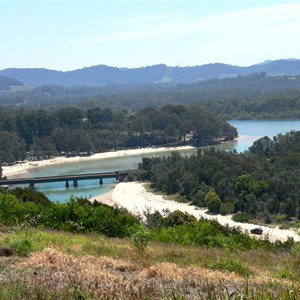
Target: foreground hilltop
(73, 266)
(103, 75)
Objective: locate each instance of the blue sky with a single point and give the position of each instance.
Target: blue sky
(66, 35)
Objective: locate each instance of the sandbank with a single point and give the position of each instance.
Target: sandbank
(105, 198)
(22, 168)
(134, 197)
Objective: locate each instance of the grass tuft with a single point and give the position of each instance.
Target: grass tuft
(230, 265)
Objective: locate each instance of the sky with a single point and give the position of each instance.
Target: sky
(68, 35)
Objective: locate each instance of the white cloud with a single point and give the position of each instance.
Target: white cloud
(254, 20)
(239, 37)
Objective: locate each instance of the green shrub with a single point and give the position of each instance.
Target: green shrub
(140, 237)
(76, 215)
(226, 208)
(13, 211)
(241, 217)
(30, 195)
(178, 217)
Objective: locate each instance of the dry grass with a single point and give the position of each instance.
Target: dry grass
(91, 267)
(115, 278)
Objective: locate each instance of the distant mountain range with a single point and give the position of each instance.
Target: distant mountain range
(106, 76)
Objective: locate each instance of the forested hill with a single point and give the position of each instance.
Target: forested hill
(102, 75)
(6, 83)
(70, 130)
(217, 95)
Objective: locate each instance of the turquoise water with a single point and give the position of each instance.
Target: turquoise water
(248, 130)
(252, 130)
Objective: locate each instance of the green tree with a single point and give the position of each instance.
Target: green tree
(12, 148)
(199, 198)
(243, 184)
(213, 202)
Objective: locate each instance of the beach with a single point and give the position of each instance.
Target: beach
(134, 197)
(22, 168)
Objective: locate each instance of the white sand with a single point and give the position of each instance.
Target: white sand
(105, 198)
(24, 167)
(136, 199)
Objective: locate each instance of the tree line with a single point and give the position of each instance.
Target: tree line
(244, 97)
(263, 182)
(41, 133)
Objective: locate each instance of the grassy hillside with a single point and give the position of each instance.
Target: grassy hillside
(79, 250)
(60, 265)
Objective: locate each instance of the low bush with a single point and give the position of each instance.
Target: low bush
(140, 237)
(226, 208)
(241, 217)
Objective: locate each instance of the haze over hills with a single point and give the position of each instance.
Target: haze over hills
(7, 84)
(103, 75)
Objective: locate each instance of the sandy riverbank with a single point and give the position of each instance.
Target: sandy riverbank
(136, 199)
(22, 168)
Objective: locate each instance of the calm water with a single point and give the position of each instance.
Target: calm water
(248, 130)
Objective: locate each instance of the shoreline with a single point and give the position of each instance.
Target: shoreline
(105, 198)
(135, 198)
(22, 168)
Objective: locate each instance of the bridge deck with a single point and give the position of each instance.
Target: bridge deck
(34, 180)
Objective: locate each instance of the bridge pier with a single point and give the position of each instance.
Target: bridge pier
(67, 184)
(75, 183)
(101, 181)
(31, 185)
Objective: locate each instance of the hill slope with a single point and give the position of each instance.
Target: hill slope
(6, 83)
(104, 75)
(88, 267)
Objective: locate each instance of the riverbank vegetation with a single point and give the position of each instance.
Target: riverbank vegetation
(262, 183)
(72, 131)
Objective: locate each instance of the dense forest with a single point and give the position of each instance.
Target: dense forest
(281, 105)
(256, 96)
(263, 182)
(40, 134)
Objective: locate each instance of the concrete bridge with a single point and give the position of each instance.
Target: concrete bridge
(118, 175)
